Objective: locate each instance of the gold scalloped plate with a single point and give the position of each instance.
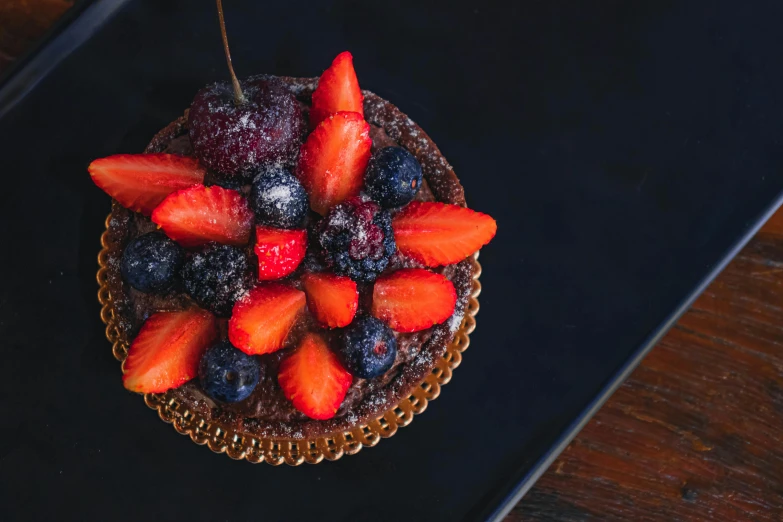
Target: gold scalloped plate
(238, 445)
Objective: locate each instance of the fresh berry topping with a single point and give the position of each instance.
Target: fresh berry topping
(216, 277)
(393, 177)
(228, 375)
(438, 234)
(199, 215)
(139, 182)
(313, 379)
(262, 319)
(338, 90)
(278, 199)
(332, 299)
(357, 239)
(235, 139)
(333, 160)
(413, 299)
(167, 350)
(150, 262)
(368, 348)
(279, 251)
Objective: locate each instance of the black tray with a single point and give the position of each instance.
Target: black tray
(626, 149)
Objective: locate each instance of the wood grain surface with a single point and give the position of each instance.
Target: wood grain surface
(23, 22)
(696, 433)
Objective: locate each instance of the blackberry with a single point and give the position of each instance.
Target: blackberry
(150, 262)
(368, 348)
(393, 177)
(278, 199)
(357, 239)
(216, 277)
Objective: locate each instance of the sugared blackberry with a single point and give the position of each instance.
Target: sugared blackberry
(393, 177)
(368, 348)
(278, 199)
(150, 262)
(357, 239)
(216, 277)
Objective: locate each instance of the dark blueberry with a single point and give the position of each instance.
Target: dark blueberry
(278, 199)
(357, 239)
(217, 277)
(393, 177)
(150, 262)
(227, 182)
(227, 374)
(368, 348)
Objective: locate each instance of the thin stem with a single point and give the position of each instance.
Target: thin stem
(239, 97)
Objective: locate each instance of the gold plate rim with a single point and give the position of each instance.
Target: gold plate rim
(276, 451)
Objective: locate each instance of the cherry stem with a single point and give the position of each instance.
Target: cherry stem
(239, 97)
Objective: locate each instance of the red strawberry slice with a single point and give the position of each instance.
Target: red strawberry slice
(139, 182)
(413, 299)
(338, 90)
(333, 159)
(313, 379)
(167, 350)
(261, 320)
(198, 215)
(332, 299)
(279, 251)
(438, 234)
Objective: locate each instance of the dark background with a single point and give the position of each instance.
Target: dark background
(622, 148)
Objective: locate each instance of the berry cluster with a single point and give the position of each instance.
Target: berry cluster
(357, 239)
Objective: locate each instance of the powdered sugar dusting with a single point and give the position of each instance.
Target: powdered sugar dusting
(455, 321)
(279, 196)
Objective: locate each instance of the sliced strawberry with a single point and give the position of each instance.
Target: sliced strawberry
(413, 299)
(279, 251)
(261, 320)
(140, 181)
(313, 379)
(332, 299)
(338, 90)
(438, 234)
(167, 350)
(333, 160)
(198, 215)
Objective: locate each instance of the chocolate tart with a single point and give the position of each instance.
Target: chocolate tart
(265, 426)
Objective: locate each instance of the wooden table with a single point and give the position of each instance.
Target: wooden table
(696, 433)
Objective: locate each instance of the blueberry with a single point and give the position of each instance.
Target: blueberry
(150, 262)
(227, 374)
(393, 177)
(216, 277)
(228, 183)
(278, 199)
(368, 348)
